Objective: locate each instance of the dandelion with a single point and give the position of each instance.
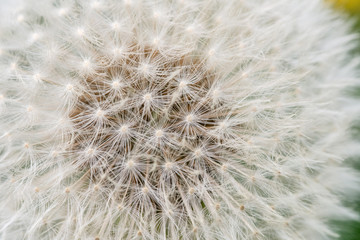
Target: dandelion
(175, 120)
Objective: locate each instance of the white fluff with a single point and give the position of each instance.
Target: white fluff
(175, 119)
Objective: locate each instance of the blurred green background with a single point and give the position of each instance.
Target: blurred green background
(350, 230)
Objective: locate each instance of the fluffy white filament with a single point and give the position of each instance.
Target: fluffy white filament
(174, 119)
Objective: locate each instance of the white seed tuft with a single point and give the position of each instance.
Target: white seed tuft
(146, 119)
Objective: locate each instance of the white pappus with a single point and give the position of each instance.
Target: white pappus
(175, 119)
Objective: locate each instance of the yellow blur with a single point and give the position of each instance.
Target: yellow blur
(350, 5)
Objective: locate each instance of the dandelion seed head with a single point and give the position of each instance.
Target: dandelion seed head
(182, 84)
(20, 18)
(115, 26)
(69, 87)
(116, 84)
(147, 97)
(130, 163)
(198, 152)
(35, 36)
(159, 133)
(80, 32)
(13, 66)
(190, 118)
(99, 113)
(174, 120)
(62, 11)
(145, 190)
(124, 129)
(169, 165)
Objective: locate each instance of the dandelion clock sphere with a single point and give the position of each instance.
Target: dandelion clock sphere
(174, 119)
